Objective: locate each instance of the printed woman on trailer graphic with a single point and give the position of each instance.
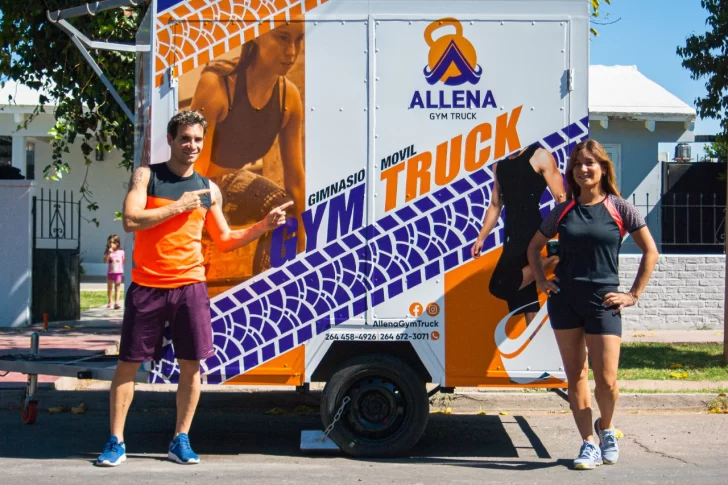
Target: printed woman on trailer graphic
(249, 103)
(520, 181)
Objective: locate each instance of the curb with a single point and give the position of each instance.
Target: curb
(259, 400)
(633, 387)
(520, 402)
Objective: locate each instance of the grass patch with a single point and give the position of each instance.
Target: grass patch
(718, 405)
(660, 362)
(94, 299)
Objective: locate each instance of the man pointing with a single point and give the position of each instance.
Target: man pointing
(167, 206)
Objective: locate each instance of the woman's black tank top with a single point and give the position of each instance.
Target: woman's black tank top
(521, 188)
(247, 134)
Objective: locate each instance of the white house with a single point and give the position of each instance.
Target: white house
(30, 151)
(629, 114)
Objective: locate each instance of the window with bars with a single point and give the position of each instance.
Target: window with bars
(30, 160)
(6, 150)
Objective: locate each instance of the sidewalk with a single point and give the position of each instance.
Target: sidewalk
(95, 283)
(673, 336)
(98, 331)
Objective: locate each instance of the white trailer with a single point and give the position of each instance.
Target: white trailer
(405, 105)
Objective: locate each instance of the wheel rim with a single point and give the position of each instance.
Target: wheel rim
(379, 410)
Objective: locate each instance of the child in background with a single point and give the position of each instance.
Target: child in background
(114, 257)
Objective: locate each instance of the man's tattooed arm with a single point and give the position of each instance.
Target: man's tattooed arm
(137, 178)
(137, 217)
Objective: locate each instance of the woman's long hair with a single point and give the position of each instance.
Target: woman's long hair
(224, 67)
(609, 179)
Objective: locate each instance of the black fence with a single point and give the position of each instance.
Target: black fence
(685, 223)
(692, 207)
(56, 256)
(693, 223)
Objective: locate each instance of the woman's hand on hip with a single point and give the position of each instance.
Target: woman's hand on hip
(548, 285)
(618, 301)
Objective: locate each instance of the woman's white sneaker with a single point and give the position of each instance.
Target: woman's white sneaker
(589, 457)
(608, 444)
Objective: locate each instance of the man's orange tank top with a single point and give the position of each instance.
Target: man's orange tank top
(169, 255)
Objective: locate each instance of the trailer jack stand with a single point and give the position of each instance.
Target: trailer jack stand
(29, 407)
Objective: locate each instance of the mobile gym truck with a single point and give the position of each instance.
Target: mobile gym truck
(381, 120)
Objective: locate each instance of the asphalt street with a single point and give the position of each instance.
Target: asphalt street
(253, 447)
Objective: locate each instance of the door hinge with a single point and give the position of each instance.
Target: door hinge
(570, 80)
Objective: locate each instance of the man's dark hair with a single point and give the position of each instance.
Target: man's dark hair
(186, 118)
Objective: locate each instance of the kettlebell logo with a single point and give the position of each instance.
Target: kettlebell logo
(452, 59)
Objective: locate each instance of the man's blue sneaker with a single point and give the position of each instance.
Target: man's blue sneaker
(181, 452)
(114, 453)
(589, 457)
(608, 444)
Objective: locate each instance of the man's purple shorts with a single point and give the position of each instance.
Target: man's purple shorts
(146, 310)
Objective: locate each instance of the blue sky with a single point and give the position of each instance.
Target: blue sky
(647, 36)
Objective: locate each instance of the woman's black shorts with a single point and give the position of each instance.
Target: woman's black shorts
(579, 305)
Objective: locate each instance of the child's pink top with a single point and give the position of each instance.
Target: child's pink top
(116, 262)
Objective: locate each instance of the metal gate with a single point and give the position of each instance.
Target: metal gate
(693, 207)
(56, 256)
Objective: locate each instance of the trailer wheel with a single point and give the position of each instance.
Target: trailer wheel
(388, 411)
(29, 414)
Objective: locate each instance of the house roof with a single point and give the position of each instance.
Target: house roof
(624, 92)
(22, 96)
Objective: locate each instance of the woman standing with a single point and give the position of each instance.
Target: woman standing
(249, 103)
(520, 181)
(584, 302)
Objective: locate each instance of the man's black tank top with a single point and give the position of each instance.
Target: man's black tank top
(247, 133)
(165, 184)
(521, 188)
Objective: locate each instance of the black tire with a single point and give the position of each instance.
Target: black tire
(388, 411)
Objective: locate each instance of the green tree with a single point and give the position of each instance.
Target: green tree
(706, 56)
(596, 7)
(40, 55)
(718, 149)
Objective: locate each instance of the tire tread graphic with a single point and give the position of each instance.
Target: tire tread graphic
(285, 307)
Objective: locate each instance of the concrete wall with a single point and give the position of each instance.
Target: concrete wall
(107, 181)
(641, 172)
(15, 241)
(684, 293)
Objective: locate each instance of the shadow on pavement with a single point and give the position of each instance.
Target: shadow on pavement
(248, 430)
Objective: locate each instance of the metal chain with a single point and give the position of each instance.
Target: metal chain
(337, 417)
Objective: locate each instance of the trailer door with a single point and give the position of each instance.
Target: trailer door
(453, 96)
